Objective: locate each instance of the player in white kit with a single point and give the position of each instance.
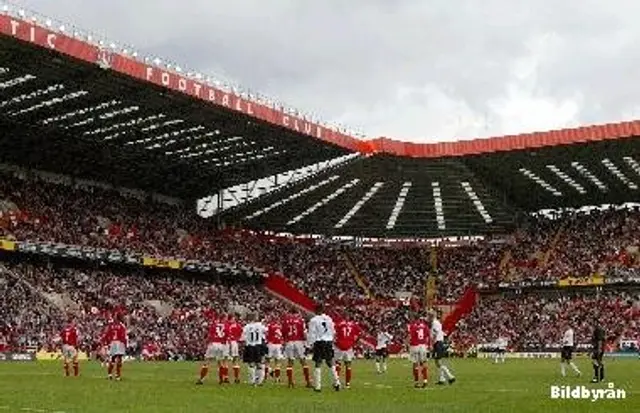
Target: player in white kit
(501, 349)
(321, 334)
(382, 352)
(439, 349)
(566, 354)
(254, 335)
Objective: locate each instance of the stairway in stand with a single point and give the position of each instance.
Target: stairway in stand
(357, 275)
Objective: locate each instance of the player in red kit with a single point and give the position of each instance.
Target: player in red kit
(217, 349)
(115, 338)
(294, 331)
(234, 329)
(69, 338)
(347, 335)
(275, 342)
(419, 337)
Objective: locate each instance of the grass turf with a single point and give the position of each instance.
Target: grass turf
(518, 386)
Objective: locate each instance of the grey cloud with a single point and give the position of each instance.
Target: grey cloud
(409, 69)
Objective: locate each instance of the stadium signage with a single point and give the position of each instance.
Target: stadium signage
(109, 59)
(9, 356)
(33, 34)
(129, 258)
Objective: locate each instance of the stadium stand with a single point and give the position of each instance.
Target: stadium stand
(104, 155)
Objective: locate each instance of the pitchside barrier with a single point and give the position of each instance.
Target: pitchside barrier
(17, 357)
(56, 355)
(553, 355)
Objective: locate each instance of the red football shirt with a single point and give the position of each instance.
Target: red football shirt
(418, 333)
(69, 336)
(234, 330)
(294, 329)
(274, 333)
(116, 332)
(347, 334)
(218, 332)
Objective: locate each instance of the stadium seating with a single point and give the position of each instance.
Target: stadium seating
(377, 286)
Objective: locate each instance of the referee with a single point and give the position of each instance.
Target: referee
(597, 351)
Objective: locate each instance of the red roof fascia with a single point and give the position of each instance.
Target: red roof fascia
(33, 33)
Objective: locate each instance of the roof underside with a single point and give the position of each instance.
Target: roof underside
(450, 196)
(68, 116)
(95, 124)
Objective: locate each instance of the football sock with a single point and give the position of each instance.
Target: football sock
(563, 369)
(204, 370)
(307, 375)
(118, 368)
(416, 376)
(447, 372)
(347, 374)
(66, 369)
(76, 368)
(277, 373)
(261, 374)
(338, 368)
(596, 372)
(336, 376)
(384, 366)
(236, 372)
(425, 373)
(221, 373)
(317, 376)
(575, 368)
(252, 375)
(110, 368)
(290, 376)
(378, 367)
(601, 373)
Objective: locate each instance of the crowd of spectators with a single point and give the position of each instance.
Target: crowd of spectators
(375, 285)
(166, 308)
(537, 321)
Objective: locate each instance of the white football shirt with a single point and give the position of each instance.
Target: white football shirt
(437, 334)
(254, 334)
(383, 340)
(567, 338)
(502, 343)
(321, 328)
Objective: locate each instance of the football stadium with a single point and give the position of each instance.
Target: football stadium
(170, 244)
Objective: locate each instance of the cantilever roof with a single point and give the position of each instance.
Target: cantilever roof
(80, 108)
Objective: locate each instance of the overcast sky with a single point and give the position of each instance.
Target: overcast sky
(418, 70)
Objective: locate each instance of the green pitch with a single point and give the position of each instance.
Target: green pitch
(518, 386)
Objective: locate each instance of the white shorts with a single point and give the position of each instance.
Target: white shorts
(344, 355)
(217, 351)
(69, 352)
(294, 350)
(234, 349)
(418, 354)
(274, 352)
(117, 348)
